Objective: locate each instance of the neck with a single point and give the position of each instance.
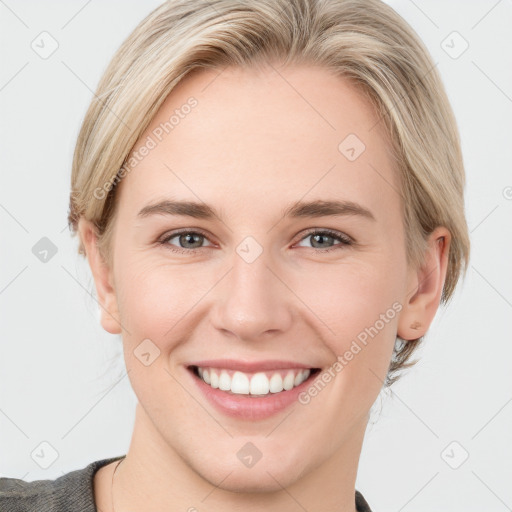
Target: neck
(155, 476)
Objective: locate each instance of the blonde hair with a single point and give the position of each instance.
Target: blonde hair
(365, 41)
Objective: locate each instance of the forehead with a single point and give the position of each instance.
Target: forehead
(253, 135)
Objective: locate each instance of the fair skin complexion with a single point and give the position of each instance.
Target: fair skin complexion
(251, 147)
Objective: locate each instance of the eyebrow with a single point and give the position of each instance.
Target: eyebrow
(300, 209)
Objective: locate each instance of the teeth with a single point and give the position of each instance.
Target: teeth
(260, 383)
(276, 383)
(288, 381)
(240, 384)
(214, 376)
(224, 381)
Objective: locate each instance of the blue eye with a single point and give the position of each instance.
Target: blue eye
(191, 240)
(184, 237)
(326, 235)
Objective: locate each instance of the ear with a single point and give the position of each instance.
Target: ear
(425, 286)
(103, 278)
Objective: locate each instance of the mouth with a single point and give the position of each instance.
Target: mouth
(258, 384)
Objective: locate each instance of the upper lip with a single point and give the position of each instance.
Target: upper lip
(249, 366)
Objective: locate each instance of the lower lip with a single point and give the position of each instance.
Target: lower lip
(250, 407)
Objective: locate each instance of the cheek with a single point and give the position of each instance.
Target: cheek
(155, 308)
(359, 305)
(154, 298)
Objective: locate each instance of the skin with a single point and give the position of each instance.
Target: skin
(257, 141)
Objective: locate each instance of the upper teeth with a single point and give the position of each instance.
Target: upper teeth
(260, 383)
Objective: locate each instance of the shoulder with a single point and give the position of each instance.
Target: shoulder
(71, 491)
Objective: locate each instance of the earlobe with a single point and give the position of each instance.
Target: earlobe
(425, 287)
(103, 279)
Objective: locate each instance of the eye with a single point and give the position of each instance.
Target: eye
(188, 240)
(321, 238)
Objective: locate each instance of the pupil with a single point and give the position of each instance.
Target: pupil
(321, 237)
(189, 236)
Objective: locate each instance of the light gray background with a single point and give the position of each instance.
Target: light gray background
(62, 378)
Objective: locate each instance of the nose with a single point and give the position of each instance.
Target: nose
(253, 301)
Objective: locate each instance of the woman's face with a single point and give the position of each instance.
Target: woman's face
(252, 283)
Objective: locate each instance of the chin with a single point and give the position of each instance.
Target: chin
(246, 482)
(266, 476)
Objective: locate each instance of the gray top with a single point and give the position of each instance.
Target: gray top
(72, 492)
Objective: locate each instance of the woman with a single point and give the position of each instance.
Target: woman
(270, 198)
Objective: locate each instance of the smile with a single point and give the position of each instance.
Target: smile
(257, 384)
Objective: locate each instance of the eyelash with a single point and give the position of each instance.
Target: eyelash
(344, 239)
